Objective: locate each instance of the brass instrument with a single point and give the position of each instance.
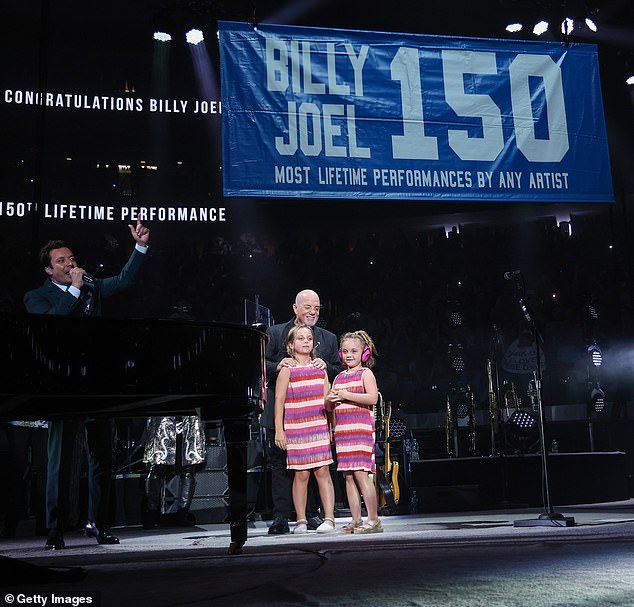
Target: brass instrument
(449, 429)
(511, 399)
(493, 401)
(472, 424)
(532, 393)
(494, 414)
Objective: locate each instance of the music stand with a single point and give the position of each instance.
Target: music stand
(257, 315)
(549, 518)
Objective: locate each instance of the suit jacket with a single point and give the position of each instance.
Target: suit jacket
(50, 299)
(327, 348)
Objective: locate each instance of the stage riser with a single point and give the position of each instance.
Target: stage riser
(473, 483)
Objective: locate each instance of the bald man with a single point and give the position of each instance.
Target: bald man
(306, 312)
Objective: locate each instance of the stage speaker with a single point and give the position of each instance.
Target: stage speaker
(216, 457)
(211, 498)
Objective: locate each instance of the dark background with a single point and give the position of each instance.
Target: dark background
(395, 268)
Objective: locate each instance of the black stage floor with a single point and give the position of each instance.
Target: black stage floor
(461, 559)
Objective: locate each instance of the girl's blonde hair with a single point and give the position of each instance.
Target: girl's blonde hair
(366, 340)
(291, 338)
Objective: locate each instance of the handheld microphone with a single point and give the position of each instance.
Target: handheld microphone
(512, 274)
(88, 279)
(527, 314)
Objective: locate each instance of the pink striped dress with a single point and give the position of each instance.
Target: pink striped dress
(354, 432)
(305, 422)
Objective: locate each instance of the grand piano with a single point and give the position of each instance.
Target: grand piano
(64, 367)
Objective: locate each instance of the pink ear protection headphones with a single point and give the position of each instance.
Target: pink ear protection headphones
(365, 355)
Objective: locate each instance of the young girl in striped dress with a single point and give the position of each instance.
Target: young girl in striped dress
(302, 427)
(353, 396)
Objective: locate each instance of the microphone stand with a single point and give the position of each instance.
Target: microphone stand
(549, 518)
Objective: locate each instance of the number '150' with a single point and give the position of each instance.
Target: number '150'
(414, 144)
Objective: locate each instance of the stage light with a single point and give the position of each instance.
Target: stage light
(513, 28)
(452, 231)
(595, 354)
(194, 36)
(591, 24)
(162, 36)
(398, 428)
(462, 409)
(523, 420)
(456, 358)
(458, 363)
(630, 80)
(541, 28)
(522, 430)
(597, 398)
(460, 401)
(565, 227)
(567, 25)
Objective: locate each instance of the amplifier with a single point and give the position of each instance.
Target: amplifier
(211, 498)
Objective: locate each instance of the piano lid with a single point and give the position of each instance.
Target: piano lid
(55, 366)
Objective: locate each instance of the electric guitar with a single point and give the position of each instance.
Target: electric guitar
(394, 480)
(391, 473)
(389, 493)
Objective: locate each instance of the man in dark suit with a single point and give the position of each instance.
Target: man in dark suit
(69, 291)
(306, 309)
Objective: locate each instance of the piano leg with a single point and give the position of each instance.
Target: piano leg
(236, 439)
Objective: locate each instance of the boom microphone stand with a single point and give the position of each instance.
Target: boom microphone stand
(549, 518)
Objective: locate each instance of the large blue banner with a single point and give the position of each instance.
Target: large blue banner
(310, 112)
